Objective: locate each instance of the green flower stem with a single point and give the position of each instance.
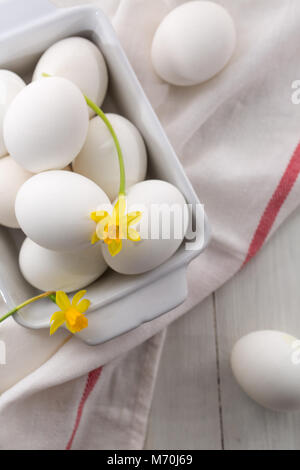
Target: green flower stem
(27, 302)
(104, 118)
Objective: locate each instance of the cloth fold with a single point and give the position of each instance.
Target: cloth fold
(237, 137)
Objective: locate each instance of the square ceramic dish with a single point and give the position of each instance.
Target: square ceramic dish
(119, 303)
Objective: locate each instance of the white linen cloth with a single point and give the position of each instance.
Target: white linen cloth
(235, 136)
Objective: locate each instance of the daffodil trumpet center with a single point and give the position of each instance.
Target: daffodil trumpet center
(112, 232)
(75, 319)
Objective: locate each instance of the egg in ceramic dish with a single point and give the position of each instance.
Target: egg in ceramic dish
(10, 85)
(80, 61)
(53, 209)
(162, 227)
(98, 159)
(266, 364)
(12, 177)
(193, 43)
(68, 271)
(46, 124)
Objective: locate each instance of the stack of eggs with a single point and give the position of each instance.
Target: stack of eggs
(59, 164)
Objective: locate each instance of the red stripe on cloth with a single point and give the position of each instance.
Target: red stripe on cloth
(91, 381)
(279, 196)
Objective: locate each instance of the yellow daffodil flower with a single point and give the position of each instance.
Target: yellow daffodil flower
(113, 228)
(70, 313)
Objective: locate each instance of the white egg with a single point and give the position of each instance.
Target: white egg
(10, 85)
(155, 199)
(46, 124)
(98, 159)
(12, 176)
(53, 209)
(193, 43)
(80, 61)
(266, 364)
(68, 271)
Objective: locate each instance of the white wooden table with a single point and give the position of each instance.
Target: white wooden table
(197, 403)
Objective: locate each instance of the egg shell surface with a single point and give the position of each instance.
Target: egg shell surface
(68, 271)
(46, 124)
(10, 85)
(266, 364)
(139, 257)
(12, 177)
(53, 209)
(80, 61)
(193, 43)
(98, 159)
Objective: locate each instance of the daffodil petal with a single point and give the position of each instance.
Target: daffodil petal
(57, 316)
(115, 213)
(119, 209)
(97, 216)
(62, 300)
(55, 325)
(133, 218)
(94, 238)
(115, 247)
(77, 297)
(100, 229)
(93, 216)
(133, 235)
(83, 305)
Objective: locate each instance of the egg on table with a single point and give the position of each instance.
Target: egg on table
(193, 43)
(162, 227)
(98, 159)
(12, 177)
(10, 85)
(68, 271)
(46, 124)
(266, 364)
(53, 209)
(80, 61)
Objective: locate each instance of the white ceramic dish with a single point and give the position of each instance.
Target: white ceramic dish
(119, 303)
